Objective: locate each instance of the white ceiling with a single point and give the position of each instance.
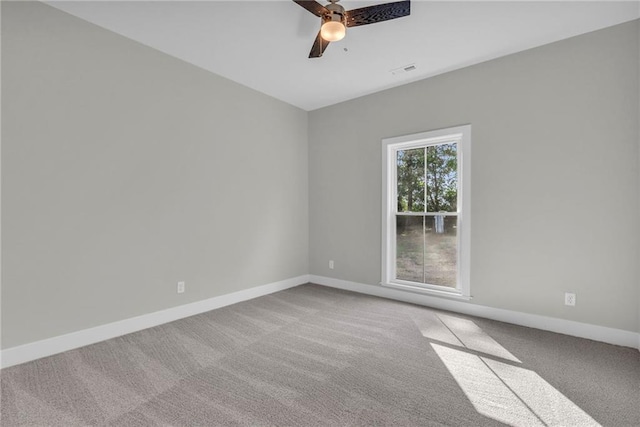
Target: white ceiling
(265, 44)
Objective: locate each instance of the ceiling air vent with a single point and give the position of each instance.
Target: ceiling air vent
(403, 70)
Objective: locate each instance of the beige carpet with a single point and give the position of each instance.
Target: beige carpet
(315, 356)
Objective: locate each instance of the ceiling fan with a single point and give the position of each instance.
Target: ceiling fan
(335, 19)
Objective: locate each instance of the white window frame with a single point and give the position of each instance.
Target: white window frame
(390, 146)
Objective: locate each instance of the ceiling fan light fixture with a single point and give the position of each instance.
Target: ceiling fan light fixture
(332, 31)
(335, 19)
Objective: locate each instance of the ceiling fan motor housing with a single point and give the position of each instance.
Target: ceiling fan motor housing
(336, 13)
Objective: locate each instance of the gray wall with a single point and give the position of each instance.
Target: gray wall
(125, 170)
(554, 176)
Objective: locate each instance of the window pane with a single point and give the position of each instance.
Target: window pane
(410, 248)
(442, 178)
(441, 252)
(411, 173)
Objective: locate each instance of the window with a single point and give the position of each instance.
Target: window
(425, 229)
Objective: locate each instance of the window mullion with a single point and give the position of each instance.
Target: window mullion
(425, 179)
(424, 248)
(424, 221)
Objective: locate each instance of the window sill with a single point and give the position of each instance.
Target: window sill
(417, 289)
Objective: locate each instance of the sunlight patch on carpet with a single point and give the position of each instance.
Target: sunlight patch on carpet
(475, 338)
(510, 394)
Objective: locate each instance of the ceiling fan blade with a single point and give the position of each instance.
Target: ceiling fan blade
(377, 13)
(313, 7)
(318, 47)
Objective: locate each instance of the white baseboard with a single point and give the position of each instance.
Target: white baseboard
(36, 350)
(562, 326)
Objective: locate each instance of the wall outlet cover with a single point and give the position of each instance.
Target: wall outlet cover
(570, 299)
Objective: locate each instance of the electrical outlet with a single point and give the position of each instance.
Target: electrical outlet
(569, 299)
(180, 288)
(331, 264)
